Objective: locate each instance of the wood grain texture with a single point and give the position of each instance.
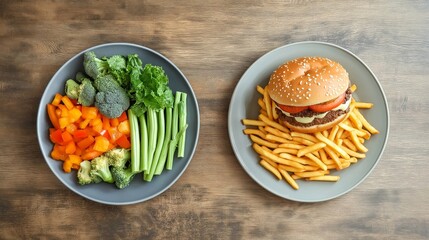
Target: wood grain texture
(213, 43)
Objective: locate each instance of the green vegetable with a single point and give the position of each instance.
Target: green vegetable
(80, 76)
(182, 122)
(122, 176)
(100, 168)
(94, 66)
(152, 129)
(86, 93)
(164, 151)
(143, 143)
(72, 89)
(117, 66)
(174, 129)
(83, 174)
(149, 89)
(135, 142)
(118, 157)
(173, 144)
(159, 144)
(111, 99)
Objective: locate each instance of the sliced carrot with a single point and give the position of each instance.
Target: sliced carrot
(84, 123)
(56, 136)
(114, 122)
(71, 128)
(106, 122)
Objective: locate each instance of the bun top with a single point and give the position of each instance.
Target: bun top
(307, 81)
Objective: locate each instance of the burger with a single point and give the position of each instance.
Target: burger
(311, 94)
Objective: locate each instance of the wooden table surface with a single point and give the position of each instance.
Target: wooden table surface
(213, 43)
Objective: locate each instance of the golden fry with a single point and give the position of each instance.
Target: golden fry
(263, 142)
(289, 179)
(311, 148)
(328, 178)
(303, 141)
(270, 168)
(251, 122)
(274, 111)
(332, 145)
(285, 150)
(290, 169)
(267, 101)
(333, 133)
(334, 156)
(275, 158)
(317, 161)
(312, 173)
(257, 132)
(261, 104)
(272, 123)
(260, 89)
(363, 105)
(357, 142)
(278, 132)
(275, 138)
(353, 153)
(271, 162)
(349, 144)
(365, 123)
(353, 88)
(304, 136)
(355, 120)
(303, 161)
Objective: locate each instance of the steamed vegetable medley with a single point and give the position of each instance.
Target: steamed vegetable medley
(116, 120)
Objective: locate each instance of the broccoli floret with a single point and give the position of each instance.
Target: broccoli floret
(80, 76)
(111, 99)
(118, 157)
(122, 176)
(72, 89)
(100, 168)
(83, 174)
(94, 66)
(86, 93)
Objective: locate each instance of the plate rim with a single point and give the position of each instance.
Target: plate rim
(254, 176)
(41, 111)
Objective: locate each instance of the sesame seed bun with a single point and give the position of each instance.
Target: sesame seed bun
(307, 81)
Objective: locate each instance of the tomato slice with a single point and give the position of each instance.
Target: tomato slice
(292, 109)
(324, 107)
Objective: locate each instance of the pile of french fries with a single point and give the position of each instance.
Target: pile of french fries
(293, 155)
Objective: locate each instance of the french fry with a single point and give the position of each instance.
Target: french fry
(334, 156)
(267, 101)
(275, 138)
(363, 105)
(260, 89)
(365, 123)
(263, 142)
(317, 161)
(251, 122)
(304, 136)
(328, 178)
(350, 145)
(311, 148)
(273, 124)
(278, 132)
(353, 88)
(275, 158)
(333, 133)
(290, 169)
(354, 119)
(271, 162)
(353, 153)
(252, 131)
(289, 179)
(332, 145)
(291, 145)
(357, 143)
(274, 111)
(285, 150)
(303, 141)
(270, 168)
(303, 161)
(261, 104)
(312, 173)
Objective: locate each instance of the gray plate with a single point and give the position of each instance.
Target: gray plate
(138, 191)
(244, 105)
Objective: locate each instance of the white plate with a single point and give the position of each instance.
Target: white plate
(244, 105)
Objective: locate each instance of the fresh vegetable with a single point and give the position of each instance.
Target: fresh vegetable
(100, 168)
(292, 109)
(182, 123)
(159, 144)
(83, 132)
(327, 106)
(83, 174)
(118, 157)
(122, 176)
(163, 157)
(135, 142)
(86, 93)
(174, 130)
(111, 99)
(72, 89)
(94, 66)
